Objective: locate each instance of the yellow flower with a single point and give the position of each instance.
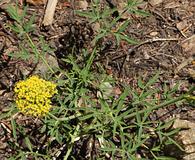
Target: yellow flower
(33, 96)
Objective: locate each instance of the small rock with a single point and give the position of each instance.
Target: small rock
(186, 136)
(188, 45)
(43, 68)
(153, 34)
(184, 124)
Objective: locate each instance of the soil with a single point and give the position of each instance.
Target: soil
(166, 36)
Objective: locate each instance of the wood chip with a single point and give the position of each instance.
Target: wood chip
(49, 12)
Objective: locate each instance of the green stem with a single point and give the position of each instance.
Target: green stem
(189, 96)
(191, 90)
(73, 138)
(38, 53)
(65, 118)
(68, 152)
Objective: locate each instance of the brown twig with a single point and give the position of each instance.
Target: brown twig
(8, 33)
(142, 43)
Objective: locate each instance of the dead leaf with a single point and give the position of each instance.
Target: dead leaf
(182, 25)
(36, 2)
(96, 27)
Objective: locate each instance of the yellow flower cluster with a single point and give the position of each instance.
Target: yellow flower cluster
(33, 96)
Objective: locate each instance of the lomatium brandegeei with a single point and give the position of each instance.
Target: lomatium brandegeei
(33, 96)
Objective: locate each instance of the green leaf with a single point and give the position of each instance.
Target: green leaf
(165, 125)
(174, 89)
(90, 60)
(85, 14)
(131, 3)
(102, 33)
(156, 148)
(23, 14)
(22, 54)
(107, 13)
(121, 101)
(28, 143)
(28, 27)
(140, 84)
(13, 12)
(43, 129)
(152, 80)
(118, 39)
(173, 132)
(124, 26)
(12, 110)
(13, 123)
(88, 116)
(148, 93)
(165, 158)
(128, 39)
(138, 118)
(142, 13)
(16, 28)
(174, 142)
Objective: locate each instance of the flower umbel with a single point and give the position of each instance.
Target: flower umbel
(33, 96)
